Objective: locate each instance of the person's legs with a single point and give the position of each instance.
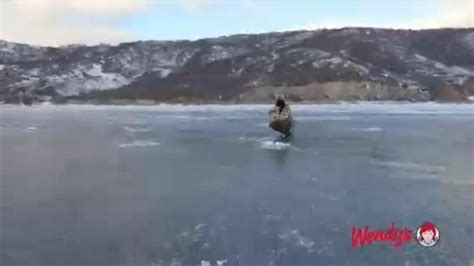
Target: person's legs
(282, 126)
(286, 126)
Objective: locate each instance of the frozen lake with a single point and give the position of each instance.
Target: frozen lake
(175, 185)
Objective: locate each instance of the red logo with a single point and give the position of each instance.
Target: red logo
(368, 236)
(427, 234)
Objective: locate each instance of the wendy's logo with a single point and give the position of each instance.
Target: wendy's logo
(427, 234)
(367, 236)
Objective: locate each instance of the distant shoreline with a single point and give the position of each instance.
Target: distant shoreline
(217, 103)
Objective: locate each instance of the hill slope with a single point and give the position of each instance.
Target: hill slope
(340, 64)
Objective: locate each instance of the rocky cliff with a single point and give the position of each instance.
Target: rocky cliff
(339, 64)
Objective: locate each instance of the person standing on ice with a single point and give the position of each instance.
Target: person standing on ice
(281, 118)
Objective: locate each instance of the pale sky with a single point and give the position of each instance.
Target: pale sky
(59, 22)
